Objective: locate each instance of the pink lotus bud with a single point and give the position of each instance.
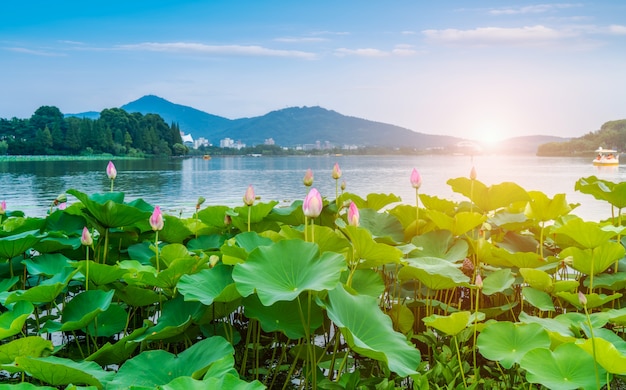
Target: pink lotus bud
(3, 207)
(86, 238)
(156, 219)
(582, 298)
(249, 197)
(62, 206)
(473, 173)
(343, 185)
(353, 214)
(312, 205)
(227, 220)
(111, 171)
(479, 281)
(336, 172)
(308, 178)
(416, 179)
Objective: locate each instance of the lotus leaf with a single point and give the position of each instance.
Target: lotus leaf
(383, 226)
(282, 271)
(48, 264)
(109, 211)
(542, 208)
(369, 332)
(434, 203)
(587, 234)
(174, 230)
(284, 316)
(441, 244)
(206, 242)
(498, 281)
(452, 324)
(176, 316)
(33, 346)
(12, 321)
(81, 310)
(538, 298)
(593, 300)
(596, 260)
(237, 249)
(59, 371)
(402, 317)
(563, 368)
(258, 212)
(192, 362)
(118, 352)
(213, 216)
(229, 381)
(489, 198)
(135, 296)
(46, 291)
(290, 215)
(374, 201)
(436, 274)
(507, 343)
(537, 279)
(502, 257)
(366, 282)
(459, 224)
(209, 285)
(606, 354)
(614, 193)
(368, 252)
(101, 274)
(16, 244)
(108, 323)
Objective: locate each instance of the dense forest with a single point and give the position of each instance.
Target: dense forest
(612, 135)
(49, 132)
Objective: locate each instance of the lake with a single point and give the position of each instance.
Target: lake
(176, 184)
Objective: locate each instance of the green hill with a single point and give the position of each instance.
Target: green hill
(612, 135)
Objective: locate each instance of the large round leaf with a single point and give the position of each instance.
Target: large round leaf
(209, 285)
(16, 244)
(451, 324)
(436, 274)
(507, 342)
(565, 368)
(59, 371)
(33, 346)
(81, 310)
(280, 272)
(11, 321)
(109, 210)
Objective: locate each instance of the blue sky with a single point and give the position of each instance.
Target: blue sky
(480, 69)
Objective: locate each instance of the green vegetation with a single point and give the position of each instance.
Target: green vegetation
(612, 135)
(116, 132)
(507, 289)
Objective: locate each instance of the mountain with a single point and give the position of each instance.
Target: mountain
(522, 145)
(287, 127)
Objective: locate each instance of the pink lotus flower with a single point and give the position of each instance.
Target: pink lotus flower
(249, 197)
(86, 238)
(111, 171)
(353, 214)
(62, 206)
(308, 178)
(336, 171)
(3, 207)
(473, 173)
(156, 219)
(416, 179)
(312, 205)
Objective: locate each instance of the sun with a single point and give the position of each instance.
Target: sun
(489, 134)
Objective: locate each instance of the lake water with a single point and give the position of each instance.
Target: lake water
(176, 184)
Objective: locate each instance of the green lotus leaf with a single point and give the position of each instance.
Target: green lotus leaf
(498, 281)
(258, 212)
(441, 244)
(169, 277)
(502, 257)
(288, 215)
(282, 271)
(614, 193)
(459, 224)
(617, 316)
(596, 260)
(67, 223)
(33, 346)
(229, 381)
(206, 242)
(614, 282)
(28, 386)
(101, 274)
(142, 252)
(58, 371)
(118, 352)
(174, 230)
(593, 300)
(16, 244)
(192, 362)
(46, 291)
(12, 321)
(606, 354)
(402, 317)
(368, 252)
(373, 201)
(108, 209)
(434, 203)
(538, 298)
(507, 343)
(48, 264)
(213, 216)
(383, 226)
(135, 296)
(284, 316)
(209, 285)
(171, 252)
(369, 332)
(237, 249)
(563, 368)
(81, 310)
(7, 283)
(434, 273)
(406, 215)
(537, 279)
(108, 323)
(586, 234)
(452, 324)
(176, 316)
(542, 208)
(489, 198)
(366, 282)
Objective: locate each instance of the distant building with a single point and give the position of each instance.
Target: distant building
(187, 139)
(229, 143)
(269, 141)
(201, 141)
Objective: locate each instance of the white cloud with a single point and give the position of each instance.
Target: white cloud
(532, 9)
(199, 48)
(42, 53)
(617, 29)
(303, 39)
(483, 36)
(343, 52)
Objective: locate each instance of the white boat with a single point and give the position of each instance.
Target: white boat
(606, 157)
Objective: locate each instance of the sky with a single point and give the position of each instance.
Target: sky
(483, 70)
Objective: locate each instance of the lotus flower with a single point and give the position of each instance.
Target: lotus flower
(582, 298)
(473, 173)
(479, 281)
(312, 205)
(111, 171)
(336, 172)
(416, 179)
(86, 238)
(3, 207)
(353, 215)
(249, 197)
(156, 219)
(308, 178)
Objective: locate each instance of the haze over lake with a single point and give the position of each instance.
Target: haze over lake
(176, 184)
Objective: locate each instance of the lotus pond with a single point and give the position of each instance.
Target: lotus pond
(507, 289)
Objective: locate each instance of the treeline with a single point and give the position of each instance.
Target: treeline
(49, 132)
(612, 135)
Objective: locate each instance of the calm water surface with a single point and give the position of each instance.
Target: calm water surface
(176, 184)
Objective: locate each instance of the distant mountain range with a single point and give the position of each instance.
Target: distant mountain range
(304, 125)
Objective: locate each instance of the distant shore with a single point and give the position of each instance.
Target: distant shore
(94, 157)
